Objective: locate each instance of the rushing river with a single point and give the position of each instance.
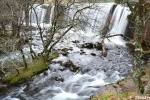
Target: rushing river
(60, 82)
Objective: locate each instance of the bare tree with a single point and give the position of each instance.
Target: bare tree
(60, 26)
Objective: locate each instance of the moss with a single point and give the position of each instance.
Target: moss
(106, 96)
(94, 99)
(37, 66)
(112, 97)
(121, 96)
(53, 56)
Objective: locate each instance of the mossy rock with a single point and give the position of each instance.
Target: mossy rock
(53, 56)
(35, 67)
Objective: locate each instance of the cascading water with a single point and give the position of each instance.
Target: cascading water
(37, 15)
(95, 16)
(118, 24)
(60, 82)
(51, 15)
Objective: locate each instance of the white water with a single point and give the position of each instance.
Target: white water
(95, 71)
(37, 15)
(118, 25)
(51, 16)
(95, 16)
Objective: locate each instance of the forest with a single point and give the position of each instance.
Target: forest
(74, 49)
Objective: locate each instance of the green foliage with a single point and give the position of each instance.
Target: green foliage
(113, 96)
(53, 56)
(121, 96)
(93, 99)
(106, 96)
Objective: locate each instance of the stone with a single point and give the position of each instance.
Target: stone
(93, 54)
(2, 74)
(3, 90)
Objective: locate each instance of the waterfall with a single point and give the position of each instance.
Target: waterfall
(118, 24)
(51, 16)
(95, 16)
(37, 15)
(59, 82)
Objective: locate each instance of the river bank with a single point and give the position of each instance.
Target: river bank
(123, 89)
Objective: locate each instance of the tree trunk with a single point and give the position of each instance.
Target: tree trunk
(14, 29)
(147, 88)
(23, 57)
(26, 9)
(138, 47)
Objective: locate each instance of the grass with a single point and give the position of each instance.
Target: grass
(106, 97)
(35, 67)
(112, 97)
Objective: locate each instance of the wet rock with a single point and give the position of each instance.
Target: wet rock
(85, 70)
(99, 46)
(76, 41)
(93, 54)
(62, 68)
(71, 66)
(68, 64)
(22, 97)
(3, 90)
(64, 49)
(59, 79)
(30, 38)
(45, 73)
(64, 53)
(71, 49)
(82, 52)
(74, 68)
(88, 45)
